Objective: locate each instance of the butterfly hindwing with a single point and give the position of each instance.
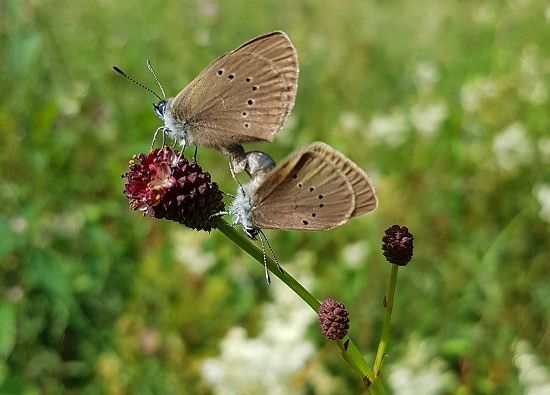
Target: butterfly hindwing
(305, 192)
(365, 197)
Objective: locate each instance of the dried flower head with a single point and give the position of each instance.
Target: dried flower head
(333, 319)
(163, 184)
(397, 245)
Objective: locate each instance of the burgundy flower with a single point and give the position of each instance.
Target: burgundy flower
(163, 184)
(333, 319)
(397, 245)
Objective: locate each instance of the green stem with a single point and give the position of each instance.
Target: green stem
(386, 329)
(351, 355)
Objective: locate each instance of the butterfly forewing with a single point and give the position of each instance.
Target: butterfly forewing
(365, 197)
(305, 192)
(244, 96)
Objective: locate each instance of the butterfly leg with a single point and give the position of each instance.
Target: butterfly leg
(218, 214)
(236, 156)
(155, 136)
(233, 175)
(195, 154)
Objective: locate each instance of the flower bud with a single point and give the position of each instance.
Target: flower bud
(333, 319)
(397, 245)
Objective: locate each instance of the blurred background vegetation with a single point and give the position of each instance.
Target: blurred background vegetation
(445, 104)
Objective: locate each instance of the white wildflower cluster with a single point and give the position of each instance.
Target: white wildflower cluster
(354, 254)
(420, 372)
(532, 84)
(188, 250)
(533, 374)
(426, 75)
(349, 121)
(474, 94)
(264, 364)
(542, 194)
(484, 13)
(512, 147)
(427, 119)
(390, 129)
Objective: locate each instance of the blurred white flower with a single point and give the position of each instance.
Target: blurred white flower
(15, 293)
(71, 102)
(512, 148)
(485, 13)
(349, 121)
(390, 129)
(542, 193)
(474, 93)
(544, 149)
(266, 363)
(208, 8)
(420, 372)
(427, 119)
(426, 75)
(18, 224)
(354, 254)
(189, 251)
(533, 375)
(202, 37)
(532, 84)
(68, 223)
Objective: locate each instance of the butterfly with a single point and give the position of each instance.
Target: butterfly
(244, 96)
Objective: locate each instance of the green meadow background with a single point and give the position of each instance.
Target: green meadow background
(444, 103)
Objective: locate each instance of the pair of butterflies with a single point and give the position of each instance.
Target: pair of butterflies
(245, 96)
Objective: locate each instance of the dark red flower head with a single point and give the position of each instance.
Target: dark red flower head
(163, 184)
(333, 319)
(397, 245)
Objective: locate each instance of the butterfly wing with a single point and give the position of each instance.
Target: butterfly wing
(365, 197)
(304, 192)
(245, 95)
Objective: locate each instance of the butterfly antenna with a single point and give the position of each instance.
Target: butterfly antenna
(267, 278)
(150, 67)
(122, 73)
(272, 253)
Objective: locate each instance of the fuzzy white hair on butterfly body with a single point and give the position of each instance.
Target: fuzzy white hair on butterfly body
(172, 126)
(241, 207)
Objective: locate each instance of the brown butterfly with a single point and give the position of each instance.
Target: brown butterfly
(315, 188)
(244, 96)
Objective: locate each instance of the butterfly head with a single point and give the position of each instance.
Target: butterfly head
(251, 231)
(160, 108)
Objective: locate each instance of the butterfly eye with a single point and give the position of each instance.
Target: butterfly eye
(160, 108)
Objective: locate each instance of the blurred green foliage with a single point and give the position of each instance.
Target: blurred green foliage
(446, 104)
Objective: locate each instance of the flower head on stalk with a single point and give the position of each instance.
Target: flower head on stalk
(397, 245)
(333, 319)
(163, 184)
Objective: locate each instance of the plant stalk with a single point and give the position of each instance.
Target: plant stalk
(351, 354)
